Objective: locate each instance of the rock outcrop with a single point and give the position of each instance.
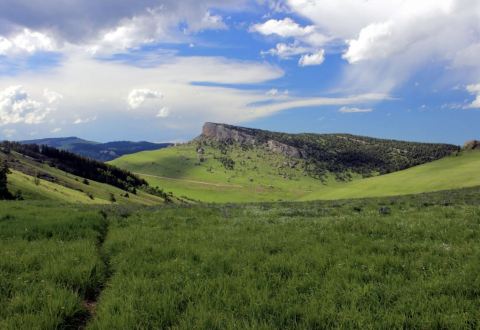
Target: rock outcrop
(226, 133)
(246, 136)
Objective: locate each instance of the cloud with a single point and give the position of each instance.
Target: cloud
(51, 96)
(138, 97)
(16, 106)
(294, 103)
(312, 59)
(353, 110)
(109, 25)
(374, 41)
(87, 120)
(26, 42)
(474, 90)
(283, 28)
(286, 51)
(387, 42)
(276, 93)
(56, 130)
(163, 113)
(196, 87)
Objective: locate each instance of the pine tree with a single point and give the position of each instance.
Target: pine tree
(4, 170)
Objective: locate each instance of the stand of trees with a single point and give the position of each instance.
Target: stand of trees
(84, 167)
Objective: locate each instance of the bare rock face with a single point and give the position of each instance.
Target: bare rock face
(281, 148)
(227, 133)
(472, 145)
(221, 132)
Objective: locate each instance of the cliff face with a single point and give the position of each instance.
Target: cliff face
(229, 134)
(226, 133)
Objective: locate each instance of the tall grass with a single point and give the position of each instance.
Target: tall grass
(48, 264)
(295, 266)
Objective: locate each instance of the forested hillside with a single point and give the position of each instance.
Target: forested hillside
(77, 165)
(334, 153)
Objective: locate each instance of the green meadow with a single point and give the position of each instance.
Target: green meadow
(453, 172)
(259, 175)
(395, 262)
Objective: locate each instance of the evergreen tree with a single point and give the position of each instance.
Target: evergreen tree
(4, 170)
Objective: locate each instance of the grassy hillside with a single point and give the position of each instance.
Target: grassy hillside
(260, 175)
(257, 174)
(448, 173)
(391, 263)
(37, 180)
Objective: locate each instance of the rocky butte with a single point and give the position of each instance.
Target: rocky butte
(246, 136)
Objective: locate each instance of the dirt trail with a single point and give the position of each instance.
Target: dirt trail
(81, 320)
(192, 181)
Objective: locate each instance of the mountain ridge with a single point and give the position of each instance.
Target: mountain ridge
(99, 151)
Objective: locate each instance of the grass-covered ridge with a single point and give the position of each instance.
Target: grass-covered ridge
(457, 171)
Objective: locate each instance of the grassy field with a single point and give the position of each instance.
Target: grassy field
(260, 175)
(397, 262)
(448, 173)
(49, 263)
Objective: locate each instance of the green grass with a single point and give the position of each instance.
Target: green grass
(295, 266)
(48, 263)
(258, 174)
(68, 187)
(448, 173)
(388, 263)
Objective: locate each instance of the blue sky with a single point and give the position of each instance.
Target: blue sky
(157, 69)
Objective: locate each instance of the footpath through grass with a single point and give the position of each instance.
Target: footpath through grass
(49, 263)
(408, 262)
(297, 266)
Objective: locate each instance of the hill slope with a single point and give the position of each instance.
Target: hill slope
(448, 173)
(234, 164)
(40, 177)
(95, 150)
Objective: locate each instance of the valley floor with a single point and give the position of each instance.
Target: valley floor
(398, 262)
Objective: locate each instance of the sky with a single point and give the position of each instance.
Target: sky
(157, 70)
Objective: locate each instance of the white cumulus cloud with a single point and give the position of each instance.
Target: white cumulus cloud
(26, 42)
(312, 59)
(138, 97)
(374, 41)
(283, 28)
(474, 90)
(16, 106)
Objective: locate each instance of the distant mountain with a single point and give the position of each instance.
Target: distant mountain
(98, 151)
